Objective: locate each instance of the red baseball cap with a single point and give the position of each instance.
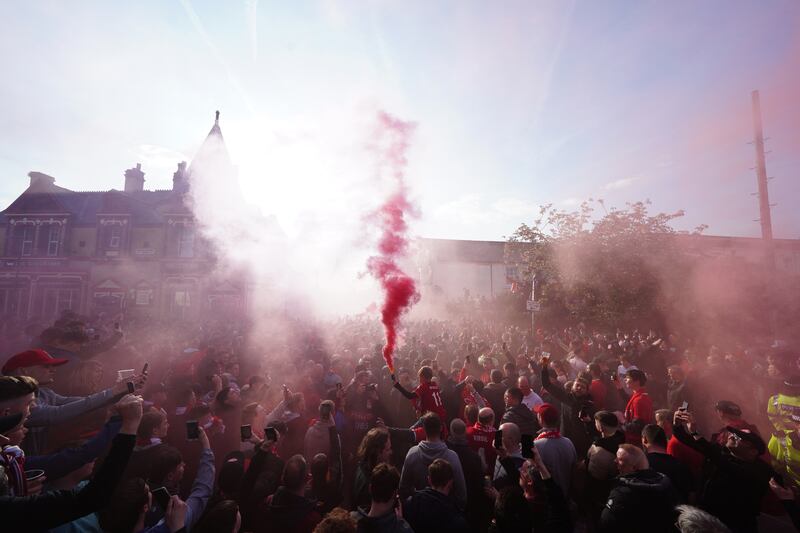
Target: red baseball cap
(28, 358)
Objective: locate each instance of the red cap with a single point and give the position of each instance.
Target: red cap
(28, 358)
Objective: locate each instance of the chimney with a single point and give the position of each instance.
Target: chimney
(40, 180)
(134, 179)
(180, 179)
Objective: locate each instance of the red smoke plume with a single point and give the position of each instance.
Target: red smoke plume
(400, 291)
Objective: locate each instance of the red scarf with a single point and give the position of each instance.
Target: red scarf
(549, 434)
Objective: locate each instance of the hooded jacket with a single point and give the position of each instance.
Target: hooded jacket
(318, 439)
(415, 469)
(522, 417)
(431, 511)
(641, 501)
(388, 523)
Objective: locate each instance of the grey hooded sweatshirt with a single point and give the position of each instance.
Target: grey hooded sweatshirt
(415, 469)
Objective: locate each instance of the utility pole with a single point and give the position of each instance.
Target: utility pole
(765, 217)
(763, 190)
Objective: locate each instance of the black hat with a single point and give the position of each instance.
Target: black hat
(7, 423)
(749, 436)
(728, 407)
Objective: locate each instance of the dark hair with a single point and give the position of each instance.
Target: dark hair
(655, 435)
(383, 483)
(432, 424)
(230, 477)
(124, 507)
(294, 473)
(319, 473)
(164, 461)
(496, 376)
(440, 473)
(595, 369)
(371, 446)
(150, 421)
(13, 387)
(637, 375)
(607, 418)
(220, 517)
(74, 335)
(50, 335)
(516, 393)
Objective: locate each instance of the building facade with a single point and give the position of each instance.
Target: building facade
(131, 251)
(454, 269)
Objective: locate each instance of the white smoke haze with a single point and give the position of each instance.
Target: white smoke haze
(289, 207)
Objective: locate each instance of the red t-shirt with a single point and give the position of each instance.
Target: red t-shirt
(479, 436)
(687, 455)
(429, 399)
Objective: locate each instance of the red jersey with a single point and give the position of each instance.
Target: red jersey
(429, 399)
(482, 437)
(640, 407)
(598, 391)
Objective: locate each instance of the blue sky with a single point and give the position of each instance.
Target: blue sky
(518, 103)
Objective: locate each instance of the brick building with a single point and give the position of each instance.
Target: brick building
(131, 250)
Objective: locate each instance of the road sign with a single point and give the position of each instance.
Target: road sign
(531, 305)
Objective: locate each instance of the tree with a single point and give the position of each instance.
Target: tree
(624, 268)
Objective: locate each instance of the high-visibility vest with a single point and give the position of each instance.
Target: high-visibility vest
(785, 457)
(780, 409)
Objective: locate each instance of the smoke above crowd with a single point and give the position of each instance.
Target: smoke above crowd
(345, 255)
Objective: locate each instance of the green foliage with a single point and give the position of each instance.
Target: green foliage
(621, 268)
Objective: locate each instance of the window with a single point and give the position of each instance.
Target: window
(511, 272)
(114, 235)
(12, 300)
(22, 237)
(58, 300)
(54, 238)
(185, 240)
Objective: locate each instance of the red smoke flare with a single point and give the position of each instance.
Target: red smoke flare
(400, 291)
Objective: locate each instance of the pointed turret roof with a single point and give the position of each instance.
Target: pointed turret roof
(213, 148)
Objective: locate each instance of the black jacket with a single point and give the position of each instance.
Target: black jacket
(260, 481)
(641, 501)
(430, 511)
(677, 472)
(51, 509)
(522, 417)
(733, 488)
(572, 409)
(494, 393)
(289, 513)
(479, 507)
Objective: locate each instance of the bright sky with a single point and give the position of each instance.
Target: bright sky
(518, 103)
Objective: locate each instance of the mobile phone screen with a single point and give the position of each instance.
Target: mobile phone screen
(192, 430)
(161, 497)
(144, 369)
(246, 432)
(527, 446)
(498, 438)
(131, 387)
(270, 433)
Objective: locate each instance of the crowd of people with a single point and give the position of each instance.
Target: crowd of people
(118, 426)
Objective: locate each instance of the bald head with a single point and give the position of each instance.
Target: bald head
(511, 437)
(486, 416)
(631, 459)
(523, 383)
